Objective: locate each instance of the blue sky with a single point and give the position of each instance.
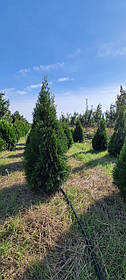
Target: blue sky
(80, 46)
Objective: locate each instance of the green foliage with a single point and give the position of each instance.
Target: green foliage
(4, 108)
(110, 116)
(78, 133)
(7, 133)
(119, 171)
(2, 145)
(124, 267)
(20, 125)
(68, 134)
(100, 139)
(44, 158)
(117, 139)
(98, 114)
(21, 128)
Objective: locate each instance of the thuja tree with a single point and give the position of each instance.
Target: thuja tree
(44, 158)
(7, 133)
(100, 139)
(78, 133)
(117, 139)
(119, 172)
(4, 108)
(68, 134)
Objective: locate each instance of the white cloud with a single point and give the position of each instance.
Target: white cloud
(49, 67)
(111, 50)
(24, 71)
(63, 79)
(75, 54)
(36, 68)
(34, 86)
(21, 92)
(8, 90)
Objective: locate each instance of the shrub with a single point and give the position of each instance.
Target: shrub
(119, 171)
(100, 139)
(78, 133)
(7, 133)
(2, 145)
(116, 143)
(117, 139)
(68, 134)
(44, 158)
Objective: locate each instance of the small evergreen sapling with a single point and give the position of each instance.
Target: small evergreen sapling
(68, 134)
(78, 133)
(100, 139)
(119, 171)
(44, 158)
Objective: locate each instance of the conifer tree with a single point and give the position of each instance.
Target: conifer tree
(44, 157)
(68, 134)
(100, 139)
(117, 139)
(78, 133)
(119, 171)
(4, 108)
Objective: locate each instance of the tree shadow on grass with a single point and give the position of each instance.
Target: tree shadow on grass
(16, 156)
(103, 161)
(19, 148)
(19, 198)
(69, 258)
(11, 167)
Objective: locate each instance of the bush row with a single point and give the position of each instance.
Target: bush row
(11, 132)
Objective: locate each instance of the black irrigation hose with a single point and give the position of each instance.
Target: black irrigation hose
(98, 270)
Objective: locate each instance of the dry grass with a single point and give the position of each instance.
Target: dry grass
(39, 236)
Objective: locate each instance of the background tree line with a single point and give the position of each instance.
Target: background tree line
(12, 126)
(91, 117)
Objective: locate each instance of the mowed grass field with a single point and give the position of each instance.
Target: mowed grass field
(39, 236)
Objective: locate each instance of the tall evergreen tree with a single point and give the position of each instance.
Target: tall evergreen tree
(110, 116)
(117, 139)
(4, 107)
(44, 157)
(98, 114)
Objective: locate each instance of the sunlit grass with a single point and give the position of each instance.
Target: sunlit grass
(84, 153)
(39, 236)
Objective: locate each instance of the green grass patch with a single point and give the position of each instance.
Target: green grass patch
(39, 235)
(84, 153)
